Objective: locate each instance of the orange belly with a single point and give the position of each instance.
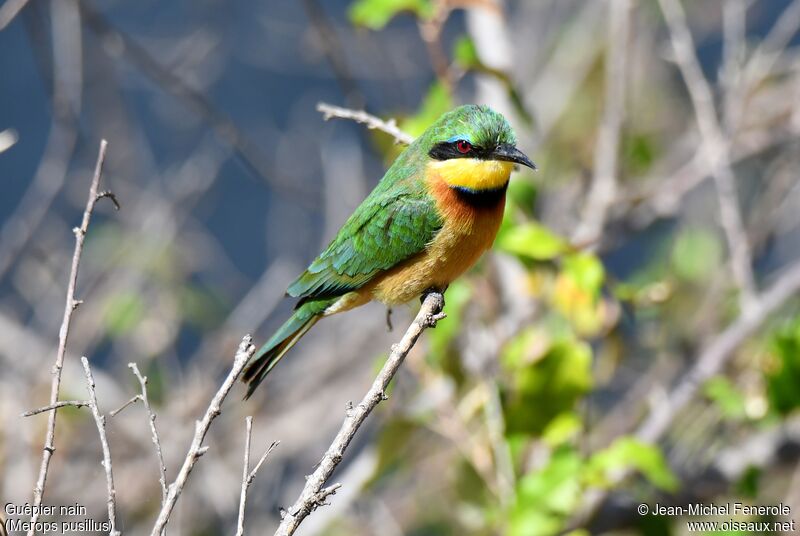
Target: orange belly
(468, 231)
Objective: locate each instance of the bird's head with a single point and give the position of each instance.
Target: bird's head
(473, 147)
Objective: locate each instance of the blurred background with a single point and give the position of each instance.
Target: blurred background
(633, 337)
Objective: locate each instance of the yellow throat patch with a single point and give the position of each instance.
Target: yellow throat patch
(472, 173)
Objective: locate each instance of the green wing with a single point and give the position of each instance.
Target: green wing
(384, 231)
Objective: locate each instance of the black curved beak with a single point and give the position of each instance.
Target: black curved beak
(509, 153)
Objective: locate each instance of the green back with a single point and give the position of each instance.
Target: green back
(393, 223)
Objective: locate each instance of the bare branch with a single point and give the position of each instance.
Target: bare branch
(734, 26)
(162, 467)
(313, 494)
(196, 450)
(130, 402)
(69, 308)
(604, 183)
(60, 404)
(773, 45)
(716, 149)
(330, 111)
(9, 10)
(100, 421)
(248, 477)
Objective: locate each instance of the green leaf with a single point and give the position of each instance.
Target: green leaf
(532, 240)
(123, 312)
(547, 387)
(555, 488)
(725, 396)
(546, 496)
(576, 294)
(436, 102)
(587, 272)
(639, 152)
(522, 192)
(562, 429)
(465, 53)
(697, 254)
(783, 377)
(630, 453)
(375, 14)
(748, 484)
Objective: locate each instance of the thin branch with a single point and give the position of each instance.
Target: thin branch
(100, 421)
(60, 404)
(69, 308)
(716, 149)
(9, 10)
(314, 494)
(162, 468)
(247, 475)
(773, 45)
(390, 127)
(734, 30)
(196, 450)
(132, 401)
(604, 183)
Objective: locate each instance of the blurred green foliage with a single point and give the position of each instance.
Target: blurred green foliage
(375, 14)
(515, 462)
(783, 373)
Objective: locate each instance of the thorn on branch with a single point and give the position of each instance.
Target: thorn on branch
(110, 195)
(431, 320)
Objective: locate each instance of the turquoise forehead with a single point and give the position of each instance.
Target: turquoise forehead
(476, 124)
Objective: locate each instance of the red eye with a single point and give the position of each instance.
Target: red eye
(463, 146)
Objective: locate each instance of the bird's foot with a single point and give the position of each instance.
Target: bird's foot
(389, 326)
(433, 290)
(438, 313)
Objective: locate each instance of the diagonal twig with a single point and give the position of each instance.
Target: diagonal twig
(249, 475)
(9, 10)
(314, 493)
(390, 127)
(134, 399)
(59, 404)
(196, 450)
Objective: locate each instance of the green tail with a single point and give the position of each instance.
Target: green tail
(305, 316)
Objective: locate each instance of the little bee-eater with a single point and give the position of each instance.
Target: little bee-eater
(436, 210)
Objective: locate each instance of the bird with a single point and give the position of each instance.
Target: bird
(429, 219)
